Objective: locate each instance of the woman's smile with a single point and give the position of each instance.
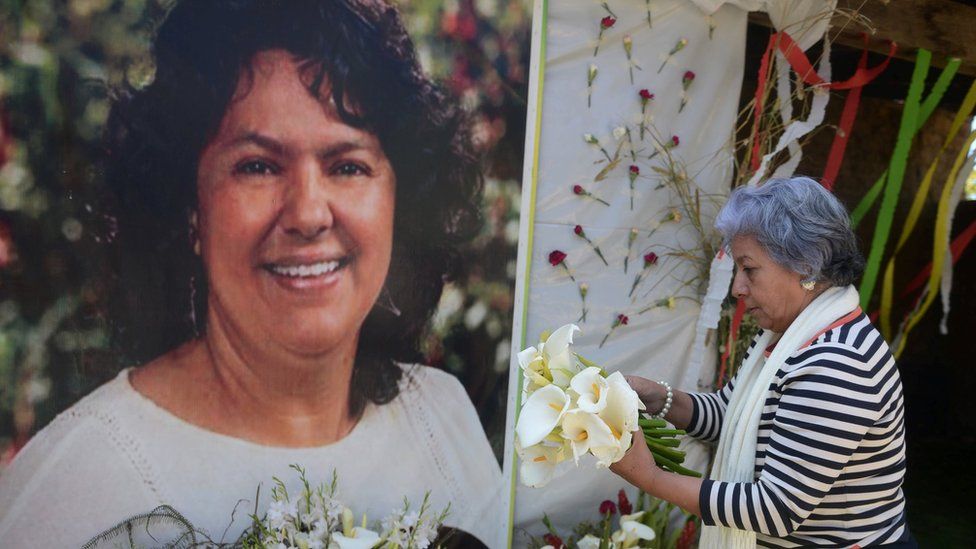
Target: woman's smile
(307, 273)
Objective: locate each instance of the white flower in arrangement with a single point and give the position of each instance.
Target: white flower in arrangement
(553, 362)
(632, 531)
(357, 538)
(619, 132)
(538, 462)
(541, 414)
(587, 432)
(281, 513)
(591, 390)
(589, 541)
(573, 408)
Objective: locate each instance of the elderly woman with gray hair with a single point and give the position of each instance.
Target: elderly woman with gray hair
(810, 431)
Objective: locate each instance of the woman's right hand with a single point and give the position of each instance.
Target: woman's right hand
(651, 393)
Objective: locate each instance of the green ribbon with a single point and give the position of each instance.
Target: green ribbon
(928, 106)
(910, 118)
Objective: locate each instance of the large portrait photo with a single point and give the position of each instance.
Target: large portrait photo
(257, 262)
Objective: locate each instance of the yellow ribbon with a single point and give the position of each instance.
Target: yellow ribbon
(887, 289)
(940, 245)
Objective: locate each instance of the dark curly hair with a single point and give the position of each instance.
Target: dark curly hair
(155, 135)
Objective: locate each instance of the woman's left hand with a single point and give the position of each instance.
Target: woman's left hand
(637, 466)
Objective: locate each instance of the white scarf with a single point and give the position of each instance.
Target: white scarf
(736, 456)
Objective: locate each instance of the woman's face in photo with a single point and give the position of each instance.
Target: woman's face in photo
(296, 215)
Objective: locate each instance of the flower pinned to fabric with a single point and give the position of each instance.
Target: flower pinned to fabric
(618, 321)
(553, 541)
(591, 73)
(686, 81)
(633, 173)
(578, 230)
(557, 258)
(650, 259)
(605, 23)
(592, 140)
(631, 237)
(674, 214)
(623, 503)
(584, 289)
(607, 507)
(645, 98)
(668, 303)
(578, 190)
(666, 146)
(631, 64)
(678, 46)
(688, 534)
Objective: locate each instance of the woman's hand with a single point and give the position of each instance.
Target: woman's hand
(637, 466)
(651, 393)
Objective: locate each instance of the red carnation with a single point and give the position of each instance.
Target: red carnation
(675, 140)
(621, 319)
(623, 503)
(650, 258)
(687, 538)
(578, 230)
(635, 170)
(646, 95)
(554, 540)
(556, 257)
(689, 75)
(578, 189)
(607, 507)
(607, 22)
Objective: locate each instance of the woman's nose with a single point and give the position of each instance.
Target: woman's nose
(739, 287)
(308, 205)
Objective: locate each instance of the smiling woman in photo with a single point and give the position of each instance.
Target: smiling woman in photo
(289, 190)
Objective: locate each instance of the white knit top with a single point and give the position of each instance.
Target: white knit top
(115, 454)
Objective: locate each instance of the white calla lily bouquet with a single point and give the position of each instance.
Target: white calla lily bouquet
(572, 408)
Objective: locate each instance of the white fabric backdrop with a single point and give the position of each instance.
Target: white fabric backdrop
(657, 344)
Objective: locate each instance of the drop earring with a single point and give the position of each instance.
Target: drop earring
(385, 301)
(194, 233)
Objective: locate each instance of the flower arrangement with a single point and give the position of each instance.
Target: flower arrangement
(314, 518)
(574, 408)
(645, 523)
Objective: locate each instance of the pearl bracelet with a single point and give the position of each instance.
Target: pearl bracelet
(667, 401)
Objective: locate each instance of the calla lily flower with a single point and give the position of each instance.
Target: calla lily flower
(632, 531)
(541, 413)
(359, 538)
(585, 431)
(538, 464)
(559, 355)
(534, 368)
(592, 390)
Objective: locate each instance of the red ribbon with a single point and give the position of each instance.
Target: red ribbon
(800, 64)
(958, 246)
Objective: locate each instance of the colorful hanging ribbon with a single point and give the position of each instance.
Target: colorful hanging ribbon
(896, 174)
(798, 60)
(939, 245)
(888, 283)
(928, 107)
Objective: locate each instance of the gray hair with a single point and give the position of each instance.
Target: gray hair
(800, 224)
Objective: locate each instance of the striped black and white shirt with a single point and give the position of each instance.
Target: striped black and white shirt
(830, 454)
